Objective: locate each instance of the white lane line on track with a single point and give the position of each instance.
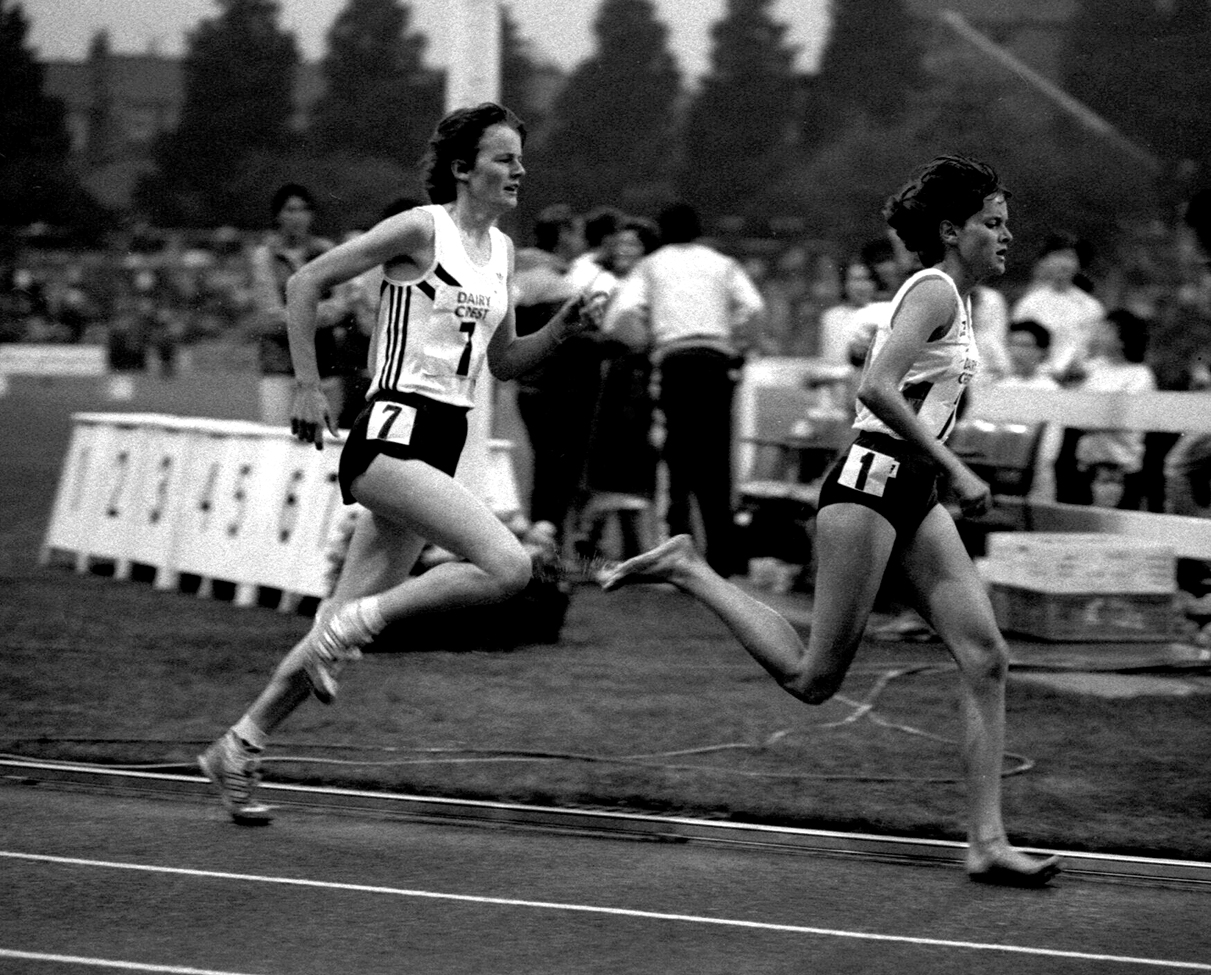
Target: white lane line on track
(126, 966)
(612, 911)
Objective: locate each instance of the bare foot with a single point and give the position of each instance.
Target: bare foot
(999, 863)
(668, 562)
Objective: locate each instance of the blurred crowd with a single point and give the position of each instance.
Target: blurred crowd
(145, 298)
(682, 313)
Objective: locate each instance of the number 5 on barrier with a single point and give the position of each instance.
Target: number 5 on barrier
(391, 421)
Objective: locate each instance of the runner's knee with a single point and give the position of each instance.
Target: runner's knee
(511, 569)
(985, 660)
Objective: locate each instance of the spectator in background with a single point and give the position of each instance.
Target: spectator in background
(700, 311)
(132, 325)
(1115, 365)
(1066, 310)
(1181, 358)
(598, 226)
(1027, 345)
(556, 398)
(71, 304)
(891, 269)
(1188, 465)
(889, 263)
(838, 324)
(285, 249)
(620, 474)
(1070, 314)
(791, 302)
(990, 320)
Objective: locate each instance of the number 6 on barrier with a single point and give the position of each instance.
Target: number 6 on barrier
(391, 421)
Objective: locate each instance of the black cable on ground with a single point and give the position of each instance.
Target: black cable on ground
(863, 709)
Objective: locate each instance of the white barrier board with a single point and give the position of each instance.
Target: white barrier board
(230, 501)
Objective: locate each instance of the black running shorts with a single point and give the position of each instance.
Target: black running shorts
(887, 475)
(407, 426)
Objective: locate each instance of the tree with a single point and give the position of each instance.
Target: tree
(612, 136)
(102, 133)
(871, 63)
(36, 182)
(1061, 177)
(1144, 68)
(380, 99)
(744, 121)
(239, 77)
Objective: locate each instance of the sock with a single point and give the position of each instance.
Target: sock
(370, 613)
(250, 733)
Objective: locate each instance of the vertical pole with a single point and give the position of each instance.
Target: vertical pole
(473, 76)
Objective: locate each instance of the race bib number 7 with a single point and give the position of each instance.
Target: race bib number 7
(391, 421)
(868, 471)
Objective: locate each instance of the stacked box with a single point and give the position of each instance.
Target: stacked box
(1078, 562)
(1082, 587)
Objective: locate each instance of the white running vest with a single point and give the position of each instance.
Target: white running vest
(432, 333)
(934, 384)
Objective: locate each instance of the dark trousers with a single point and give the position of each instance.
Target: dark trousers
(696, 392)
(558, 422)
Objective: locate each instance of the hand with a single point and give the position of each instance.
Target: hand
(592, 308)
(582, 313)
(311, 414)
(973, 494)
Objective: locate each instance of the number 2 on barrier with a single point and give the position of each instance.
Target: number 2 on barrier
(868, 471)
(391, 421)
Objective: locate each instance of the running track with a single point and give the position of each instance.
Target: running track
(94, 882)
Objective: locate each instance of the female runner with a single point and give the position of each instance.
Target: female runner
(444, 307)
(879, 502)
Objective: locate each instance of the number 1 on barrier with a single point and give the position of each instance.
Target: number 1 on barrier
(391, 421)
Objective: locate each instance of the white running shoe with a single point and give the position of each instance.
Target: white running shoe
(235, 771)
(338, 642)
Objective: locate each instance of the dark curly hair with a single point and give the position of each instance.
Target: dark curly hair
(456, 139)
(284, 193)
(950, 187)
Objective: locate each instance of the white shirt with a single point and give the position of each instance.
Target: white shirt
(837, 326)
(692, 296)
(1069, 316)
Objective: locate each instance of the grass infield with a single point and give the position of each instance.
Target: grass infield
(644, 704)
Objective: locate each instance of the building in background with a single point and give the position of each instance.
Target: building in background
(117, 105)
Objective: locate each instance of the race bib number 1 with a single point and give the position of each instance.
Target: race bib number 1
(868, 471)
(391, 421)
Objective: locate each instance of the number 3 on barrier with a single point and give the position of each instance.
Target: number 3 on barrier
(868, 471)
(391, 421)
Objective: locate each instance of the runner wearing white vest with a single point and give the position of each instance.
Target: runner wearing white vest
(879, 503)
(444, 309)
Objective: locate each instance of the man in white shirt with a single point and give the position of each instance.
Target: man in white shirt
(699, 311)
